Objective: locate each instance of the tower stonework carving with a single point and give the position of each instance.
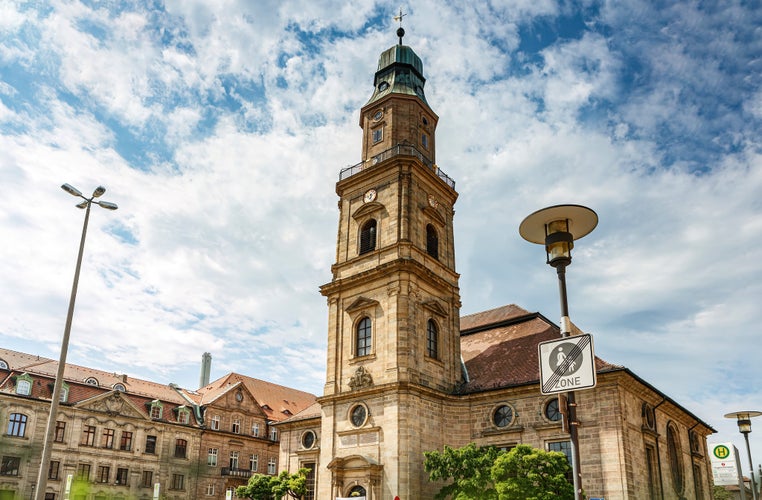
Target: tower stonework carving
(394, 304)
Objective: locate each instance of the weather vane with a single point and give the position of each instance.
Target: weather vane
(399, 17)
(400, 30)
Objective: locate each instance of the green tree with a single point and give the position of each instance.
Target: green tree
(259, 487)
(468, 468)
(526, 473)
(263, 487)
(720, 493)
(292, 485)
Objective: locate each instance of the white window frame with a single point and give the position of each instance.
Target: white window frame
(272, 466)
(24, 386)
(211, 457)
(183, 416)
(157, 410)
(215, 423)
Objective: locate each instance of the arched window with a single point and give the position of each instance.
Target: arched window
(17, 424)
(675, 458)
(432, 241)
(368, 237)
(432, 339)
(363, 337)
(181, 447)
(359, 490)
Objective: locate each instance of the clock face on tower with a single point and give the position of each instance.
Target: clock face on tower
(370, 195)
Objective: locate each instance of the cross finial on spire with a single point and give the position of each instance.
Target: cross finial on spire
(400, 30)
(399, 17)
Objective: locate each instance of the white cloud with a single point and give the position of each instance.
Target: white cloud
(219, 129)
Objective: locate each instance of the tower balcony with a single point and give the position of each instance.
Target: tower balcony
(398, 150)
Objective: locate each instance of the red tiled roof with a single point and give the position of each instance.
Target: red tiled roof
(277, 401)
(501, 350)
(312, 411)
(36, 365)
(492, 316)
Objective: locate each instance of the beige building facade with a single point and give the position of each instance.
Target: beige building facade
(121, 438)
(406, 374)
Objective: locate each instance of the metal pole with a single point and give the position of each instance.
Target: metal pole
(47, 447)
(571, 409)
(754, 492)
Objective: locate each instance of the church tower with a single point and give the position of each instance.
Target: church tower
(393, 323)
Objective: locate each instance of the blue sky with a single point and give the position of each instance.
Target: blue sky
(219, 129)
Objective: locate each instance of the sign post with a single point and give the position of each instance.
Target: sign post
(567, 364)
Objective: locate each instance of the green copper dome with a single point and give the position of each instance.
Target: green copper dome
(400, 71)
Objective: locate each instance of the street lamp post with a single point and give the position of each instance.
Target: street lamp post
(557, 227)
(47, 447)
(744, 427)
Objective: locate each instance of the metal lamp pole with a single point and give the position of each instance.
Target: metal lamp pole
(744, 427)
(557, 227)
(47, 447)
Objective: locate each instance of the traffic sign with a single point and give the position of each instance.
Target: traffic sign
(567, 364)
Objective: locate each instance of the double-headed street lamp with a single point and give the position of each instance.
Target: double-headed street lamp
(557, 227)
(744, 427)
(47, 447)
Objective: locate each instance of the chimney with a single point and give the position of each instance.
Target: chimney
(206, 367)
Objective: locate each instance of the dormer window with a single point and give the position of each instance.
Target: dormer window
(24, 385)
(3, 365)
(183, 415)
(119, 387)
(156, 409)
(92, 381)
(64, 396)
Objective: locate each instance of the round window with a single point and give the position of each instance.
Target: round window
(358, 415)
(308, 440)
(377, 115)
(503, 416)
(552, 411)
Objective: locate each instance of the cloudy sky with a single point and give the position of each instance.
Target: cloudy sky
(219, 129)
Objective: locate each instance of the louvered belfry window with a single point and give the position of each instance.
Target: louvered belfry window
(432, 241)
(368, 237)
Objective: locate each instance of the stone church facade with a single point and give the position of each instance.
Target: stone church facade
(406, 374)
